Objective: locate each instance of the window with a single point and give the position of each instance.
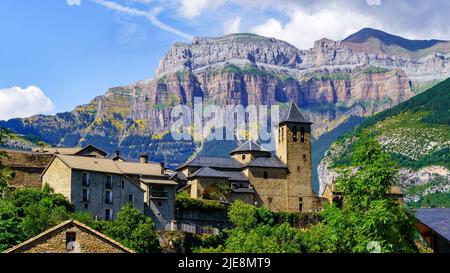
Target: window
(304, 156)
(300, 203)
(86, 206)
(243, 157)
(85, 195)
(108, 197)
(159, 204)
(282, 133)
(266, 175)
(298, 168)
(108, 214)
(234, 186)
(123, 184)
(130, 198)
(13, 175)
(294, 136)
(109, 183)
(70, 237)
(302, 135)
(86, 179)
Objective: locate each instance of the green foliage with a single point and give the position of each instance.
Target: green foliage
(264, 239)
(184, 201)
(368, 214)
(134, 230)
(243, 215)
(432, 200)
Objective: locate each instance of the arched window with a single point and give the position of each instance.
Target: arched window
(243, 157)
(266, 175)
(302, 135)
(294, 137)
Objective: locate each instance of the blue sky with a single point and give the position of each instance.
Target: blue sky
(56, 54)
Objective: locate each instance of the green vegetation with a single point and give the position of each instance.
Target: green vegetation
(329, 76)
(416, 133)
(374, 70)
(420, 87)
(433, 200)
(184, 201)
(368, 214)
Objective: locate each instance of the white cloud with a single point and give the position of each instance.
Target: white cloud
(16, 102)
(73, 2)
(304, 28)
(193, 8)
(374, 2)
(150, 15)
(232, 25)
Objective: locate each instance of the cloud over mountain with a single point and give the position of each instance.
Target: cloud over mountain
(17, 102)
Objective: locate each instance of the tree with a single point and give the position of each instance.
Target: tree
(369, 217)
(5, 173)
(134, 230)
(243, 215)
(10, 231)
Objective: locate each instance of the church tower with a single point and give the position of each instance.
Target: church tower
(294, 149)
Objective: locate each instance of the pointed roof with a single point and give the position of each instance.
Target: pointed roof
(249, 146)
(293, 115)
(67, 224)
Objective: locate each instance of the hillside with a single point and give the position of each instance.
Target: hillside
(417, 135)
(331, 82)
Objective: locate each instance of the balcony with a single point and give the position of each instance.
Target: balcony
(158, 194)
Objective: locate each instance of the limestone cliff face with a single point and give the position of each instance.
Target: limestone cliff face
(330, 82)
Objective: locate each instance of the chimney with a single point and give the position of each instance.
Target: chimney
(144, 158)
(163, 167)
(117, 153)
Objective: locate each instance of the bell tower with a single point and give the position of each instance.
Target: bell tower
(294, 149)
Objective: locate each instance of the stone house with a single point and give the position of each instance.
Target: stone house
(95, 185)
(102, 186)
(280, 181)
(26, 166)
(70, 237)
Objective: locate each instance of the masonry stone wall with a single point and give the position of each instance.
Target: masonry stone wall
(97, 192)
(297, 156)
(57, 177)
(161, 209)
(26, 168)
(270, 192)
(55, 242)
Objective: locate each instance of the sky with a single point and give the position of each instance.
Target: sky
(57, 54)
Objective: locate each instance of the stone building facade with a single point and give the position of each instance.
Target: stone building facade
(70, 237)
(280, 181)
(27, 166)
(94, 185)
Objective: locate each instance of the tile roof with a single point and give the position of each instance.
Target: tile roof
(249, 146)
(436, 219)
(293, 115)
(109, 166)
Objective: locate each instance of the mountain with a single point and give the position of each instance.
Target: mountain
(331, 82)
(417, 135)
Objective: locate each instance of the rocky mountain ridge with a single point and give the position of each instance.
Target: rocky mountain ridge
(330, 82)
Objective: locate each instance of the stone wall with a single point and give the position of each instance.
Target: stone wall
(26, 167)
(55, 242)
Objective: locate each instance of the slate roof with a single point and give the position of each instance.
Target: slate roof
(267, 162)
(436, 219)
(293, 115)
(209, 161)
(249, 146)
(208, 172)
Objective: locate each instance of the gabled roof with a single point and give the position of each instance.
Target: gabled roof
(293, 115)
(67, 151)
(249, 146)
(63, 225)
(436, 219)
(216, 162)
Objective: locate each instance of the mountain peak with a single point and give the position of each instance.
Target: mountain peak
(388, 39)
